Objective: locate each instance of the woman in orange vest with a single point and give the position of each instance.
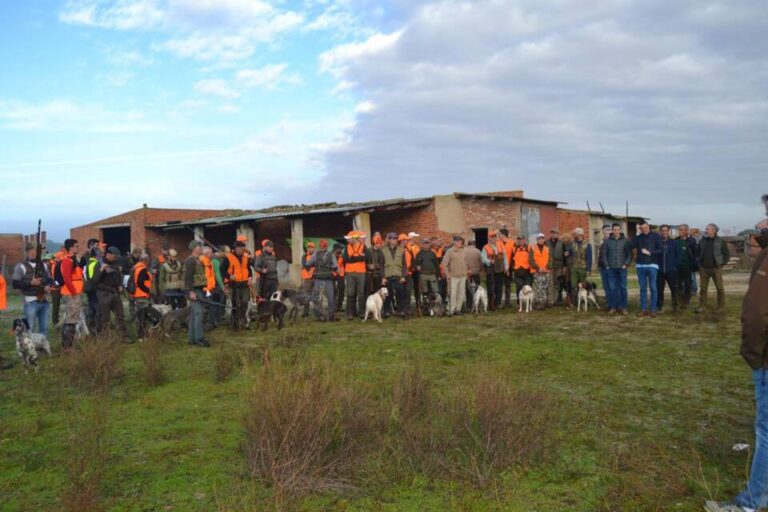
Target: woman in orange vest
(521, 265)
(540, 261)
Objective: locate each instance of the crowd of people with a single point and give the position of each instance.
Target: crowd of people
(416, 271)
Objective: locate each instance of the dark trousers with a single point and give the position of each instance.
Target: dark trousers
(397, 295)
(442, 285)
(215, 314)
(92, 314)
(55, 306)
(716, 275)
(508, 280)
(523, 277)
(416, 284)
(177, 300)
(241, 294)
(669, 278)
(372, 284)
(355, 288)
(111, 303)
(267, 286)
(684, 290)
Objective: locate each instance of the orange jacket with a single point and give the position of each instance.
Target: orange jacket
(509, 249)
(77, 278)
(139, 293)
(540, 258)
(237, 269)
(210, 276)
(3, 291)
(356, 251)
(340, 263)
(522, 258)
(307, 273)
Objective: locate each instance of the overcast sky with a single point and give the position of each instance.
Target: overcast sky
(249, 103)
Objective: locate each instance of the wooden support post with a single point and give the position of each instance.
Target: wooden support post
(362, 222)
(247, 231)
(297, 251)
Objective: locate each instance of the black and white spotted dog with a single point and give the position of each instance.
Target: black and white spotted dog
(29, 344)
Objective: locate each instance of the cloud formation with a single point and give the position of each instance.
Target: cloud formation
(659, 103)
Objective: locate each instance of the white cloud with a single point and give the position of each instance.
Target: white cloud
(68, 115)
(120, 14)
(216, 87)
(609, 101)
(270, 76)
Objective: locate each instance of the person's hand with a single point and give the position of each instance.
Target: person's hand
(47, 289)
(192, 296)
(623, 267)
(402, 280)
(646, 252)
(383, 282)
(36, 281)
(418, 268)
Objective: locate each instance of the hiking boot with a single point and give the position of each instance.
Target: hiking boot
(652, 314)
(642, 314)
(611, 311)
(624, 312)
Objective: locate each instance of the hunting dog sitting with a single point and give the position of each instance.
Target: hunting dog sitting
(479, 297)
(375, 303)
(435, 305)
(587, 293)
(271, 310)
(526, 299)
(28, 343)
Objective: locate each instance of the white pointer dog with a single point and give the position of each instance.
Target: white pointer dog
(526, 299)
(28, 343)
(479, 298)
(586, 295)
(375, 303)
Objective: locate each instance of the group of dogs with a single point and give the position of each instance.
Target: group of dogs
(166, 320)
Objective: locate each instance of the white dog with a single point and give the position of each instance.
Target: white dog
(585, 295)
(479, 297)
(526, 299)
(375, 303)
(28, 343)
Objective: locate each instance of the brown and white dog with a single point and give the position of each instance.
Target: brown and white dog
(587, 293)
(375, 303)
(526, 299)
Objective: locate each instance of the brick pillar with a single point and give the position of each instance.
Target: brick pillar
(362, 222)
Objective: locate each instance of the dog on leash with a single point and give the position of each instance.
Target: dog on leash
(28, 343)
(435, 304)
(479, 297)
(174, 320)
(375, 303)
(278, 296)
(526, 299)
(587, 293)
(297, 300)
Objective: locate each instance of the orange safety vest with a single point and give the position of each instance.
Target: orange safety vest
(210, 277)
(358, 266)
(521, 258)
(340, 263)
(77, 280)
(541, 257)
(139, 293)
(238, 269)
(3, 290)
(500, 249)
(307, 273)
(509, 249)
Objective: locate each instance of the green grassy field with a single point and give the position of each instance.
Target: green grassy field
(642, 415)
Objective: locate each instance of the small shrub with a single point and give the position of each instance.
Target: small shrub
(85, 457)
(154, 365)
(304, 430)
(226, 361)
(94, 364)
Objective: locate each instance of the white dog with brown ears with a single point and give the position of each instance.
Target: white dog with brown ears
(375, 303)
(526, 299)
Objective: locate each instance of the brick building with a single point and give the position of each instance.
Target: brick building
(471, 215)
(11, 251)
(131, 229)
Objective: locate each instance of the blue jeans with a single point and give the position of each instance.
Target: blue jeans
(694, 284)
(647, 278)
(756, 493)
(37, 310)
(617, 288)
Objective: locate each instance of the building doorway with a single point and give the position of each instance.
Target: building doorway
(119, 237)
(481, 237)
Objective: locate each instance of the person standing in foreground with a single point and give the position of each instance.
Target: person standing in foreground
(648, 245)
(668, 263)
(395, 275)
(194, 283)
(142, 292)
(541, 263)
(600, 265)
(754, 350)
(324, 265)
(686, 267)
(108, 283)
(354, 257)
(712, 255)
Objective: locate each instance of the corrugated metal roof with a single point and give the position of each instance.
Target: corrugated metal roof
(497, 197)
(299, 211)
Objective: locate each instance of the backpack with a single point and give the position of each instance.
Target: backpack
(130, 286)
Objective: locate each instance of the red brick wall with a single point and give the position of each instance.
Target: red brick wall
(484, 213)
(568, 220)
(278, 231)
(547, 218)
(12, 247)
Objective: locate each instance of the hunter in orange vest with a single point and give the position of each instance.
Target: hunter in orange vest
(354, 258)
(307, 272)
